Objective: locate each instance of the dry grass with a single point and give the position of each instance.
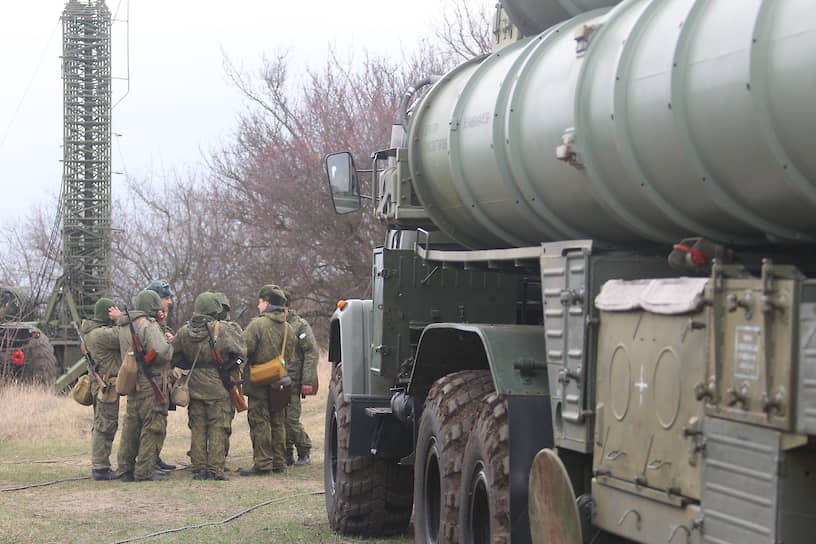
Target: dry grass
(31, 411)
(46, 438)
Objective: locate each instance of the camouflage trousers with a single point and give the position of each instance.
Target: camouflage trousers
(105, 424)
(296, 436)
(143, 433)
(210, 423)
(268, 434)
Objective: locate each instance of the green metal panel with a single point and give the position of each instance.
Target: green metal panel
(411, 293)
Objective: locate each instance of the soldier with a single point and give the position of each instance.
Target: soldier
(145, 422)
(162, 288)
(264, 339)
(102, 342)
(166, 294)
(302, 369)
(210, 411)
(224, 315)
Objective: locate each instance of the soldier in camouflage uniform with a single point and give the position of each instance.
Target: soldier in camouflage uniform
(166, 294)
(102, 342)
(210, 411)
(162, 288)
(264, 338)
(145, 422)
(302, 369)
(224, 315)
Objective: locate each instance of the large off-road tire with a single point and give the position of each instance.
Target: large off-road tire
(485, 490)
(365, 495)
(447, 418)
(41, 363)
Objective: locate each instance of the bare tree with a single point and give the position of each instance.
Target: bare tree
(175, 230)
(464, 29)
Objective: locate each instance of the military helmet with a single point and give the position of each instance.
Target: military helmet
(222, 299)
(272, 294)
(101, 309)
(207, 303)
(148, 301)
(161, 287)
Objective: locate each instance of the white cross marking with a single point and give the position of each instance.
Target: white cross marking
(641, 385)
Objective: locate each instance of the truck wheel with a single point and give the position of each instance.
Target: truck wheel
(447, 418)
(41, 363)
(365, 496)
(485, 491)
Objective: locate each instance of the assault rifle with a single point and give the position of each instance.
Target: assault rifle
(230, 385)
(144, 360)
(93, 368)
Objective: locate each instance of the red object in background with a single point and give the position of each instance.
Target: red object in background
(18, 357)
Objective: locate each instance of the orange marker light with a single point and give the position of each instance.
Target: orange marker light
(341, 304)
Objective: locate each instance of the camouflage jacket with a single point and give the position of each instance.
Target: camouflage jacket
(102, 341)
(264, 339)
(303, 366)
(192, 344)
(152, 337)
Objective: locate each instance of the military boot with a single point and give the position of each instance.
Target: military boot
(164, 466)
(158, 475)
(103, 474)
(303, 460)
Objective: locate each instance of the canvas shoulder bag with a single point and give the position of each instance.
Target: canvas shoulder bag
(273, 370)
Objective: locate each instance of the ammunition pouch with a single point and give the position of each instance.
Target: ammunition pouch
(279, 394)
(109, 395)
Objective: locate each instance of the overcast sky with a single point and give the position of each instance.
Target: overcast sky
(179, 102)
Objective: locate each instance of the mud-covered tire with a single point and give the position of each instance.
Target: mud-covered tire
(365, 495)
(485, 489)
(449, 413)
(41, 363)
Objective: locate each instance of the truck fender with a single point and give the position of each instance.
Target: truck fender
(349, 341)
(515, 354)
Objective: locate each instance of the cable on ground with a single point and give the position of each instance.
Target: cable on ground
(211, 523)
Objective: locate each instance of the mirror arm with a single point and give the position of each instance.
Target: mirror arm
(375, 182)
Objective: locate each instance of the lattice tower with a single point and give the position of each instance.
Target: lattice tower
(86, 183)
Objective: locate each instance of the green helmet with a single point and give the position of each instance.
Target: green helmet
(222, 299)
(272, 294)
(161, 287)
(207, 303)
(101, 309)
(148, 301)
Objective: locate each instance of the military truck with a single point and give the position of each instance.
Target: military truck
(26, 354)
(594, 315)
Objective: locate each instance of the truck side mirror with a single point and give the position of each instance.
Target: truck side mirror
(343, 182)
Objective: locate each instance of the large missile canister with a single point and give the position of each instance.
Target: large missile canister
(653, 121)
